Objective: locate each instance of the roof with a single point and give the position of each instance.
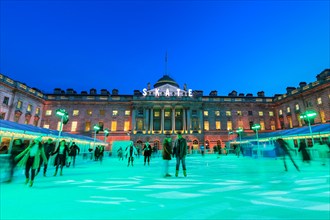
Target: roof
(166, 80)
(34, 130)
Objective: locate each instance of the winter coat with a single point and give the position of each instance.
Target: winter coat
(73, 150)
(180, 148)
(16, 150)
(167, 150)
(147, 150)
(57, 151)
(26, 154)
(129, 152)
(304, 152)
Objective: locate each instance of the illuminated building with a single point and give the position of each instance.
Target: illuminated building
(150, 113)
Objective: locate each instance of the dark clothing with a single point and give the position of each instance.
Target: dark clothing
(49, 148)
(28, 167)
(60, 158)
(305, 155)
(180, 148)
(167, 151)
(284, 149)
(16, 150)
(74, 149)
(147, 153)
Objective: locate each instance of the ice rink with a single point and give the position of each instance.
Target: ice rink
(224, 188)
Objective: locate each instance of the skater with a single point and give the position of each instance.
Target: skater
(120, 154)
(284, 149)
(202, 150)
(305, 155)
(17, 148)
(62, 152)
(130, 152)
(167, 152)
(48, 148)
(180, 152)
(31, 159)
(74, 150)
(147, 153)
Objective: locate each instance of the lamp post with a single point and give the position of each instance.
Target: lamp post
(63, 115)
(96, 130)
(310, 114)
(256, 127)
(106, 133)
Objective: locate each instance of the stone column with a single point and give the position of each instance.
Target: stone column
(162, 121)
(146, 120)
(201, 120)
(151, 120)
(133, 120)
(173, 120)
(188, 120)
(184, 121)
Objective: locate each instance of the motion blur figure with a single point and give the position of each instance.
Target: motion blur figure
(284, 151)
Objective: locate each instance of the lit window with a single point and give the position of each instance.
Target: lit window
(217, 113)
(297, 107)
(26, 121)
(167, 113)
(75, 112)
(126, 126)
(261, 113)
(217, 125)
(228, 113)
(280, 112)
(114, 126)
(74, 126)
(48, 112)
(89, 112)
(206, 125)
(319, 101)
(37, 111)
(19, 104)
(177, 113)
(58, 125)
(262, 125)
(206, 113)
(102, 112)
(127, 112)
(46, 126)
(271, 113)
(115, 113)
(29, 108)
(156, 114)
(288, 109)
(139, 124)
(229, 125)
(239, 113)
(87, 126)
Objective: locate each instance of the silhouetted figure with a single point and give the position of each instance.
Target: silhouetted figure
(74, 150)
(284, 150)
(131, 152)
(147, 153)
(120, 153)
(62, 152)
(167, 152)
(17, 148)
(49, 147)
(305, 155)
(180, 152)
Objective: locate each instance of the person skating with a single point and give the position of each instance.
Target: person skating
(48, 148)
(30, 158)
(147, 153)
(62, 152)
(180, 152)
(167, 152)
(120, 154)
(17, 148)
(131, 152)
(303, 149)
(74, 150)
(284, 148)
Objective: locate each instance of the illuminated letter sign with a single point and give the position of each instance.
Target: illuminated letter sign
(167, 93)
(156, 92)
(144, 92)
(190, 92)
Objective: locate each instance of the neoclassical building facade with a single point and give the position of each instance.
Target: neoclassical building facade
(149, 114)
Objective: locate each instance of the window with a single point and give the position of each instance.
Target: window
(37, 111)
(74, 126)
(280, 112)
(58, 125)
(206, 113)
(19, 104)
(87, 126)
(139, 124)
(167, 113)
(217, 125)
(89, 112)
(261, 113)
(319, 101)
(288, 110)
(206, 125)
(239, 113)
(229, 125)
(127, 113)
(115, 113)
(177, 113)
(46, 126)
(114, 126)
(262, 125)
(5, 100)
(48, 112)
(126, 126)
(250, 113)
(102, 112)
(29, 108)
(271, 113)
(228, 113)
(156, 113)
(2, 115)
(75, 113)
(297, 107)
(217, 113)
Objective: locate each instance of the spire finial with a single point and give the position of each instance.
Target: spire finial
(166, 64)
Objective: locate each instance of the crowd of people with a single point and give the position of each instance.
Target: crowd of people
(37, 155)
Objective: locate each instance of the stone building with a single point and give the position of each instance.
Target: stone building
(166, 108)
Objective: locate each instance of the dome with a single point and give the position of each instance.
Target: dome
(165, 80)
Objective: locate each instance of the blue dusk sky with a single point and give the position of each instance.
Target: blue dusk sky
(247, 46)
